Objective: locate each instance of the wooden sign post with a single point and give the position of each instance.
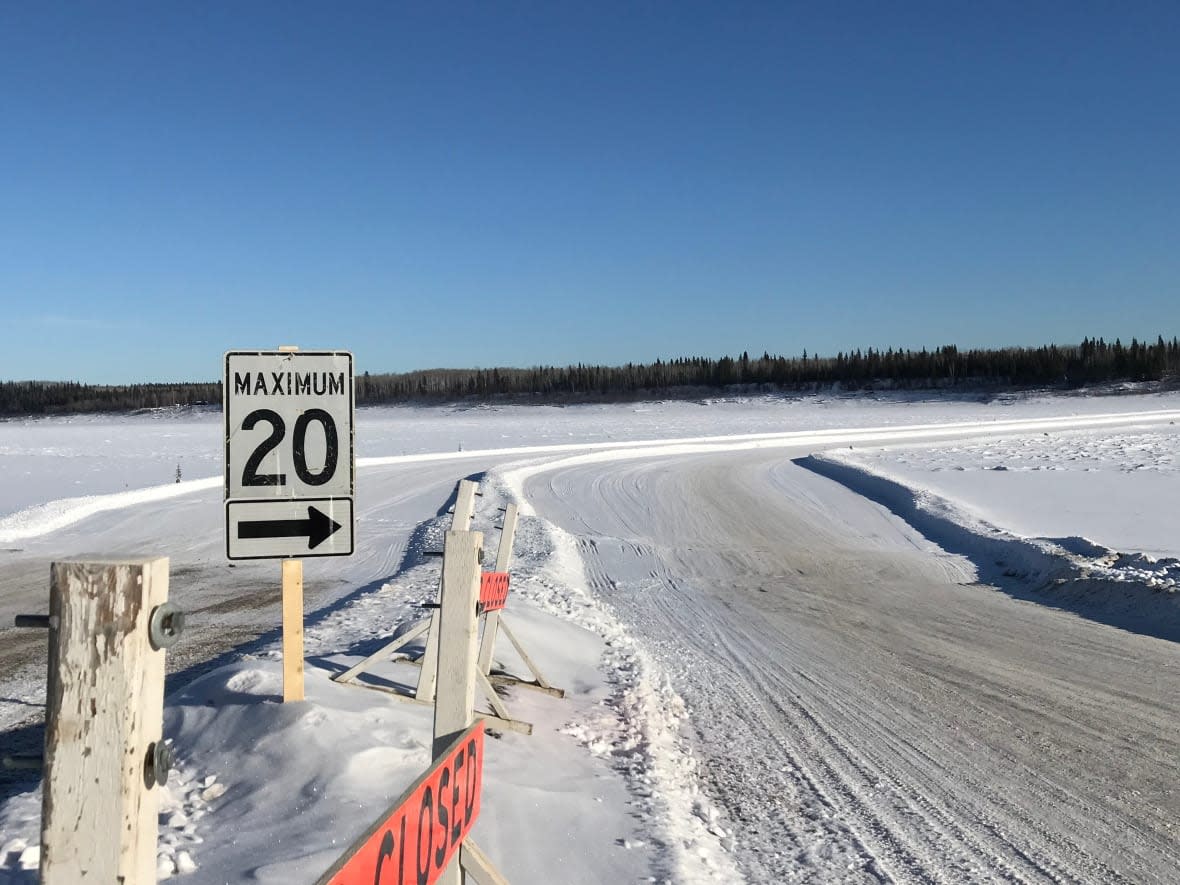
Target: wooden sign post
(103, 723)
(292, 630)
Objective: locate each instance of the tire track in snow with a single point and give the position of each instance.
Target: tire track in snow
(836, 769)
(918, 730)
(857, 778)
(939, 778)
(827, 847)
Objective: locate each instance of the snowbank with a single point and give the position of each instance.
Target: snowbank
(1132, 591)
(603, 790)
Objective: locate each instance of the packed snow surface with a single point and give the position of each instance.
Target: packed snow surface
(817, 640)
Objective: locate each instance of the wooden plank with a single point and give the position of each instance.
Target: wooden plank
(429, 661)
(393, 692)
(491, 624)
(460, 522)
(458, 650)
(475, 862)
(517, 725)
(494, 721)
(524, 656)
(507, 534)
(384, 652)
(493, 699)
(292, 630)
(502, 716)
(457, 636)
(505, 679)
(487, 644)
(104, 707)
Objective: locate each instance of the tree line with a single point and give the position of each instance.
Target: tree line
(1094, 361)
(70, 397)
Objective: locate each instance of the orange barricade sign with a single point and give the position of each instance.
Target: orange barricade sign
(413, 843)
(493, 591)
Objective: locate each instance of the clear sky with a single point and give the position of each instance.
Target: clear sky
(479, 184)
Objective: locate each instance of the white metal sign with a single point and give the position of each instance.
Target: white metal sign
(289, 454)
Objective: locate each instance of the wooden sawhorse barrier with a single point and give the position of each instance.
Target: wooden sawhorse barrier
(425, 691)
(425, 834)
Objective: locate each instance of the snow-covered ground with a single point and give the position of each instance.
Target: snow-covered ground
(1117, 489)
(45, 459)
(704, 673)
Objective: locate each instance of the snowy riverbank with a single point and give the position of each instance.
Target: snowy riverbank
(609, 787)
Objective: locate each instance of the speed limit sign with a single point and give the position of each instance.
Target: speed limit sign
(289, 454)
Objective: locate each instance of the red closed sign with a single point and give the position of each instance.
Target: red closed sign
(413, 843)
(493, 590)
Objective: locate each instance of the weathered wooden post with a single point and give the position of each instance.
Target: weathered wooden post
(457, 636)
(457, 672)
(491, 623)
(460, 521)
(104, 751)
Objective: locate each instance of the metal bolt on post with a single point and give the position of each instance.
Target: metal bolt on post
(165, 626)
(35, 622)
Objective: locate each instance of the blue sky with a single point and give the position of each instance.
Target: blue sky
(522, 183)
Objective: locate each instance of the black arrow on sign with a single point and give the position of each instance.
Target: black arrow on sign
(317, 528)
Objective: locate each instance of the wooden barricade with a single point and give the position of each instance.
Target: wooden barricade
(460, 520)
(425, 690)
(424, 836)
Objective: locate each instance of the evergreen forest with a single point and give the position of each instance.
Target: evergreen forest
(1093, 362)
